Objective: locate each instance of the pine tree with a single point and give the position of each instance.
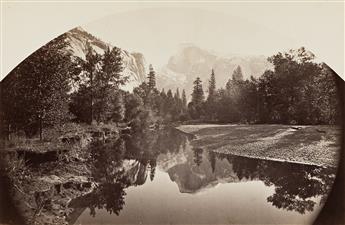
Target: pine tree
(210, 106)
(152, 78)
(211, 86)
(237, 74)
(198, 93)
(196, 106)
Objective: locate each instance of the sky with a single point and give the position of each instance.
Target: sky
(158, 28)
(159, 32)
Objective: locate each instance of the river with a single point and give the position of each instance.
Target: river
(161, 177)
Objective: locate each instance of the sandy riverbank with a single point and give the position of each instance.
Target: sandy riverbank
(316, 145)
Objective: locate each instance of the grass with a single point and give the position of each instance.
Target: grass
(317, 145)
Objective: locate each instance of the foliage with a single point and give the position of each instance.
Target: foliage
(292, 93)
(90, 66)
(210, 104)
(79, 105)
(296, 91)
(160, 106)
(98, 97)
(35, 93)
(198, 93)
(133, 106)
(196, 106)
(152, 78)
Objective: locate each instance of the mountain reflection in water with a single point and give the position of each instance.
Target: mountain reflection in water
(137, 176)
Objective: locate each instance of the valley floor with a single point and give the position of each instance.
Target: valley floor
(316, 145)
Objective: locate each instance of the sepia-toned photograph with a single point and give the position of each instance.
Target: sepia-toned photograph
(171, 113)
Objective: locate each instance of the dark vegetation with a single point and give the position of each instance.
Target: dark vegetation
(53, 87)
(296, 91)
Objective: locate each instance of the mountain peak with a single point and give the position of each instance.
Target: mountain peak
(191, 61)
(134, 63)
(78, 28)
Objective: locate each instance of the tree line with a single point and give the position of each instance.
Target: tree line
(53, 87)
(296, 91)
(166, 106)
(35, 93)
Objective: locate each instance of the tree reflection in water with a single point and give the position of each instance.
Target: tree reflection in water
(295, 184)
(118, 164)
(197, 156)
(129, 160)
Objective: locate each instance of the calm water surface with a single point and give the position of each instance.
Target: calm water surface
(159, 178)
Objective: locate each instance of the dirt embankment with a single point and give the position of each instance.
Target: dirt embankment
(45, 176)
(316, 145)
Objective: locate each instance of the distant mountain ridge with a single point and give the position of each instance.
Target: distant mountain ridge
(182, 68)
(191, 61)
